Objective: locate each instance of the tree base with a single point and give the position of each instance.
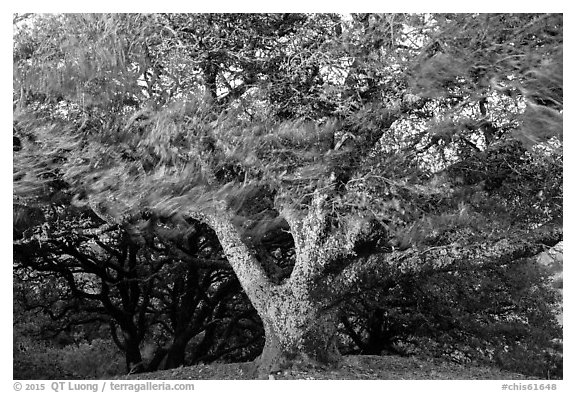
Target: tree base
(273, 361)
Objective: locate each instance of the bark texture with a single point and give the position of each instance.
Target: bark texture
(300, 315)
(299, 320)
(299, 331)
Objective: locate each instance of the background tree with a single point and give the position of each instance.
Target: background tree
(371, 167)
(83, 278)
(495, 315)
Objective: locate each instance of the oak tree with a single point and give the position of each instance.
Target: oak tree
(363, 137)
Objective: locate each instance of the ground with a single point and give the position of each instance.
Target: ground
(353, 367)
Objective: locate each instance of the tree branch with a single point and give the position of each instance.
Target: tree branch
(250, 273)
(318, 245)
(452, 256)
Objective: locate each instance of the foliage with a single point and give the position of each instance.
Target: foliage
(498, 314)
(36, 360)
(174, 153)
(406, 143)
(97, 359)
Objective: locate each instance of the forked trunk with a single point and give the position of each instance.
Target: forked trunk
(299, 323)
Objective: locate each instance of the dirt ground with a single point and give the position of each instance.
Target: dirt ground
(353, 367)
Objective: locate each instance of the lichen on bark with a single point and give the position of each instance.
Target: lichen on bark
(300, 320)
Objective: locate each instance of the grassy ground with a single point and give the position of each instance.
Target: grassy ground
(353, 367)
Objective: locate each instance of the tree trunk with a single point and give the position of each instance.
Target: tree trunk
(157, 361)
(134, 364)
(300, 324)
(176, 355)
(299, 332)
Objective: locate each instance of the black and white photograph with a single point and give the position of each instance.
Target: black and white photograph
(286, 196)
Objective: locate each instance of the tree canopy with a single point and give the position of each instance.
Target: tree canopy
(322, 150)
